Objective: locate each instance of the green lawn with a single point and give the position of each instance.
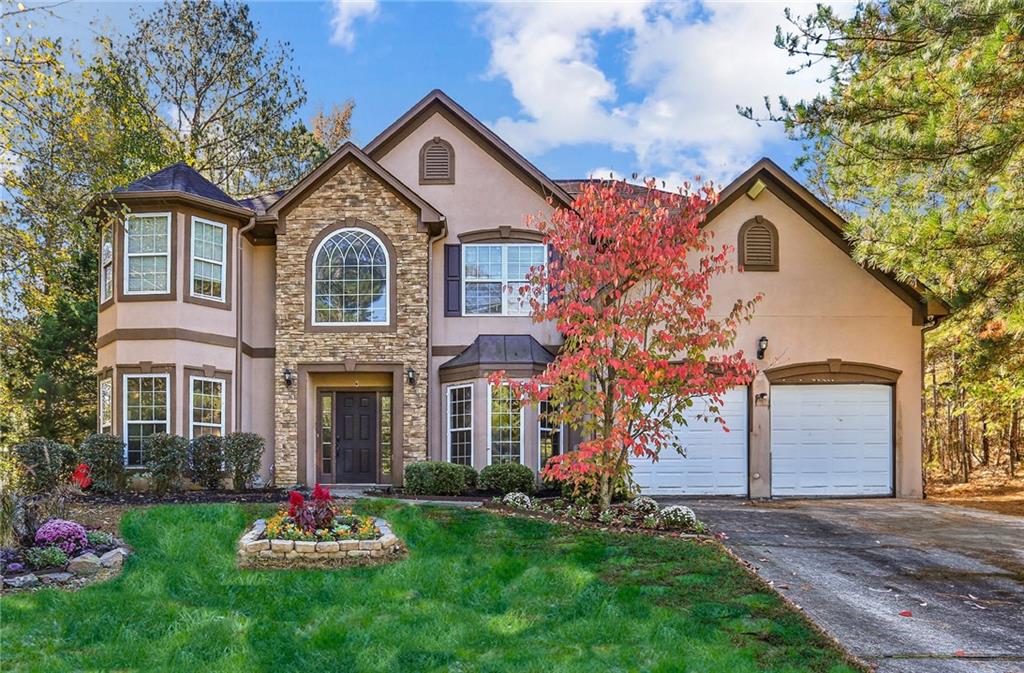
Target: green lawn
(478, 593)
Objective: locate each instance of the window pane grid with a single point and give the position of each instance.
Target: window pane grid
(460, 424)
(147, 253)
(106, 405)
(385, 433)
(208, 243)
(350, 280)
(494, 274)
(106, 266)
(506, 426)
(146, 413)
(327, 433)
(207, 407)
(550, 434)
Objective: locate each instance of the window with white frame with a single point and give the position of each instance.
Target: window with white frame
(492, 275)
(350, 279)
(505, 425)
(209, 249)
(106, 265)
(106, 411)
(147, 252)
(206, 406)
(147, 411)
(460, 424)
(550, 434)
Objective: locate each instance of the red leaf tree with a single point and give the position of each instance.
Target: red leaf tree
(628, 288)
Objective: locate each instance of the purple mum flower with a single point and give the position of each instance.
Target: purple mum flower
(67, 535)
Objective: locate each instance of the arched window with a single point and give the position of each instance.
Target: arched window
(350, 280)
(437, 163)
(759, 245)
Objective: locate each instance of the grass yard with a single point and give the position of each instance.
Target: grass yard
(478, 592)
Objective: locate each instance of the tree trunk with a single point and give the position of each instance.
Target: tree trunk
(985, 449)
(1014, 439)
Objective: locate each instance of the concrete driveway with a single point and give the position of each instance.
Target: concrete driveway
(854, 565)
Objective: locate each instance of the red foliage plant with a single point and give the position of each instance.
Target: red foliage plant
(80, 477)
(628, 287)
(318, 512)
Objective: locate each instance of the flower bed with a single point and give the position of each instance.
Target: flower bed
(64, 554)
(317, 533)
(640, 514)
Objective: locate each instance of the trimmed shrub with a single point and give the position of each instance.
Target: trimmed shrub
(67, 536)
(644, 505)
(104, 454)
(45, 557)
(242, 453)
(206, 461)
(678, 516)
(470, 477)
(507, 477)
(434, 478)
(46, 464)
(166, 457)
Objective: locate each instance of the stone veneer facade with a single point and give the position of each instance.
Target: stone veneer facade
(351, 192)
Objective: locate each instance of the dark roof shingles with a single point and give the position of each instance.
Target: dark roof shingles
(501, 349)
(179, 177)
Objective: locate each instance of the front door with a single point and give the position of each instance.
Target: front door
(355, 438)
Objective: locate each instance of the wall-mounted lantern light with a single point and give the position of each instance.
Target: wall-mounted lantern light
(289, 377)
(762, 346)
(410, 376)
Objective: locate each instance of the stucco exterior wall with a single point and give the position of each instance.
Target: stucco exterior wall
(350, 192)
(485, 196)
(819, 305)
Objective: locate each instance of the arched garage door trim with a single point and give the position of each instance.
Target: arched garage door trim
(832, 370)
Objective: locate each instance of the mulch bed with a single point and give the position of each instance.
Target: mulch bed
(592, 525)
(182, 497)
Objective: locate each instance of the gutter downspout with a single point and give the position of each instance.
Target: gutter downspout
(238, 325)
(430, 323)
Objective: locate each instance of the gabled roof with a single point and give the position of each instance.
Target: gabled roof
(828, 222)
(430, 217)
(438, 101)
(179, 177)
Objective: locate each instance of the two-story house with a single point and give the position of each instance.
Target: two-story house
(353, 319)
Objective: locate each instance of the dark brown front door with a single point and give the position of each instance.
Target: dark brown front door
(356, 437)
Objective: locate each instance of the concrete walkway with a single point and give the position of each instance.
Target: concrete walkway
(854, 565)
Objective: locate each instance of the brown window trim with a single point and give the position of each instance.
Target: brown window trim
(145, 368)
(832, 370)
(172, 293)
(209, 372)
(114, 266)
(501, 234)
(107, 373)
(450, 180)
(741, 246)
(229, 247)
(351, 223)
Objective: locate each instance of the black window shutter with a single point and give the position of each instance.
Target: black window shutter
(553, 256)
(452, 280)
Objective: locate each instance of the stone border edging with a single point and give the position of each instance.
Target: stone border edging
(255, 550)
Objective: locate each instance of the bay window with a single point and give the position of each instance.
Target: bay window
(505, 425)
(106, 410)
(551, 435)
(106, 265)
(460, 424)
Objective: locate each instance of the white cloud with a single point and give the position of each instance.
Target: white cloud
(685, 67)
(345, 13)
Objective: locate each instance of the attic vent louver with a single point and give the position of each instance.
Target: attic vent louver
(759, 245)
(437, 163)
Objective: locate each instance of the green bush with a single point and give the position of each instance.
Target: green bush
(242, 453)
(100, 538)
(104, 454)
(166, 457)
(206, 461)
(434, 478)
(470, 477)
(507, 478)
(44, 557)
(46, 464)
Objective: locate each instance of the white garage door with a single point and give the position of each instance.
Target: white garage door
(831, 440)
(715, 461)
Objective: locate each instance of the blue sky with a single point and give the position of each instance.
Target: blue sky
(580, 89)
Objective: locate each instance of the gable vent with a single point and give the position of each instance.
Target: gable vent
(758, 246)
(437, 163)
